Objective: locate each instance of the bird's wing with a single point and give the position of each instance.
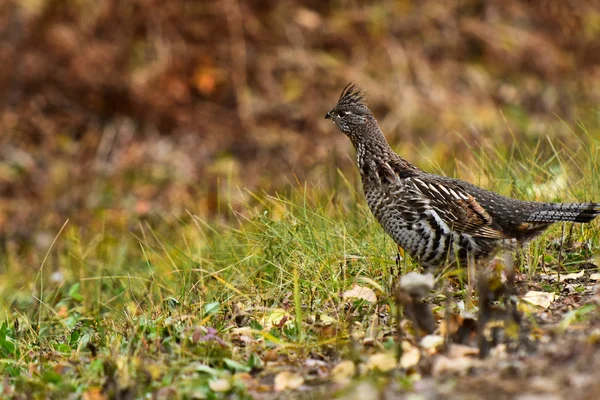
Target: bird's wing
(456, 207)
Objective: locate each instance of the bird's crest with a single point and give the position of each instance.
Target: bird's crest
(352, 95)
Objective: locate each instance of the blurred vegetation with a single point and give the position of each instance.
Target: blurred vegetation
(115, 109)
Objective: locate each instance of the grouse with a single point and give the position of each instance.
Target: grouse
(436, 219)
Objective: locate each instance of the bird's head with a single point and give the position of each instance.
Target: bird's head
(350, 113)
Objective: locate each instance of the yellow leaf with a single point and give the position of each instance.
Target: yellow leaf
(325, 319)
(220, 385)
(287, 381)
(276, 317)
(382, 361)
(432, 342)
(410, 355)
(343, 372)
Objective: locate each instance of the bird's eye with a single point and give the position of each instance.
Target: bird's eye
(343, 113)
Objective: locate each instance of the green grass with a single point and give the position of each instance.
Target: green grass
(181, 304)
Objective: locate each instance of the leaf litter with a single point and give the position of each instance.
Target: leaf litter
(432, 364)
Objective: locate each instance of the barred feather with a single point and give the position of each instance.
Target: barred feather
(566, 212)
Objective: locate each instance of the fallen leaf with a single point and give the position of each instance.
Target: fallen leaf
(462, 350)
(410, 355)
(220, 385)
(324, 319)
(277, 317)
(595, 277)
(287, 380)
(271, 355)
(540, 299)
(456, 366)
(343, 372)
(566, 277)
(382, 361)
(432, 342)
(360, 292)
(248, 380)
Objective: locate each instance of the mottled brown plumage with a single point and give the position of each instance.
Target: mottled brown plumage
(439, 220)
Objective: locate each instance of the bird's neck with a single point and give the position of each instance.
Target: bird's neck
(371, 146)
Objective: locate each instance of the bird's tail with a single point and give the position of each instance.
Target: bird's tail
(565, 212)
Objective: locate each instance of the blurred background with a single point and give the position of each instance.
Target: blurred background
(113, 110)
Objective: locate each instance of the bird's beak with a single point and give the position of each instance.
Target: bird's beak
(328, 115)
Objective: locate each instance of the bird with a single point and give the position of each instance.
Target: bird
(439, 220)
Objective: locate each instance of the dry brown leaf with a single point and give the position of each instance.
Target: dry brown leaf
(271, 355)
(382, 362)
(343, 372)
(539, 299)
(432, 342)
(287, 380)
(461, 350)
(360, 292)
(410, 355)
(220, 385)
(566, 277)
(456, 366)
(595, 277)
